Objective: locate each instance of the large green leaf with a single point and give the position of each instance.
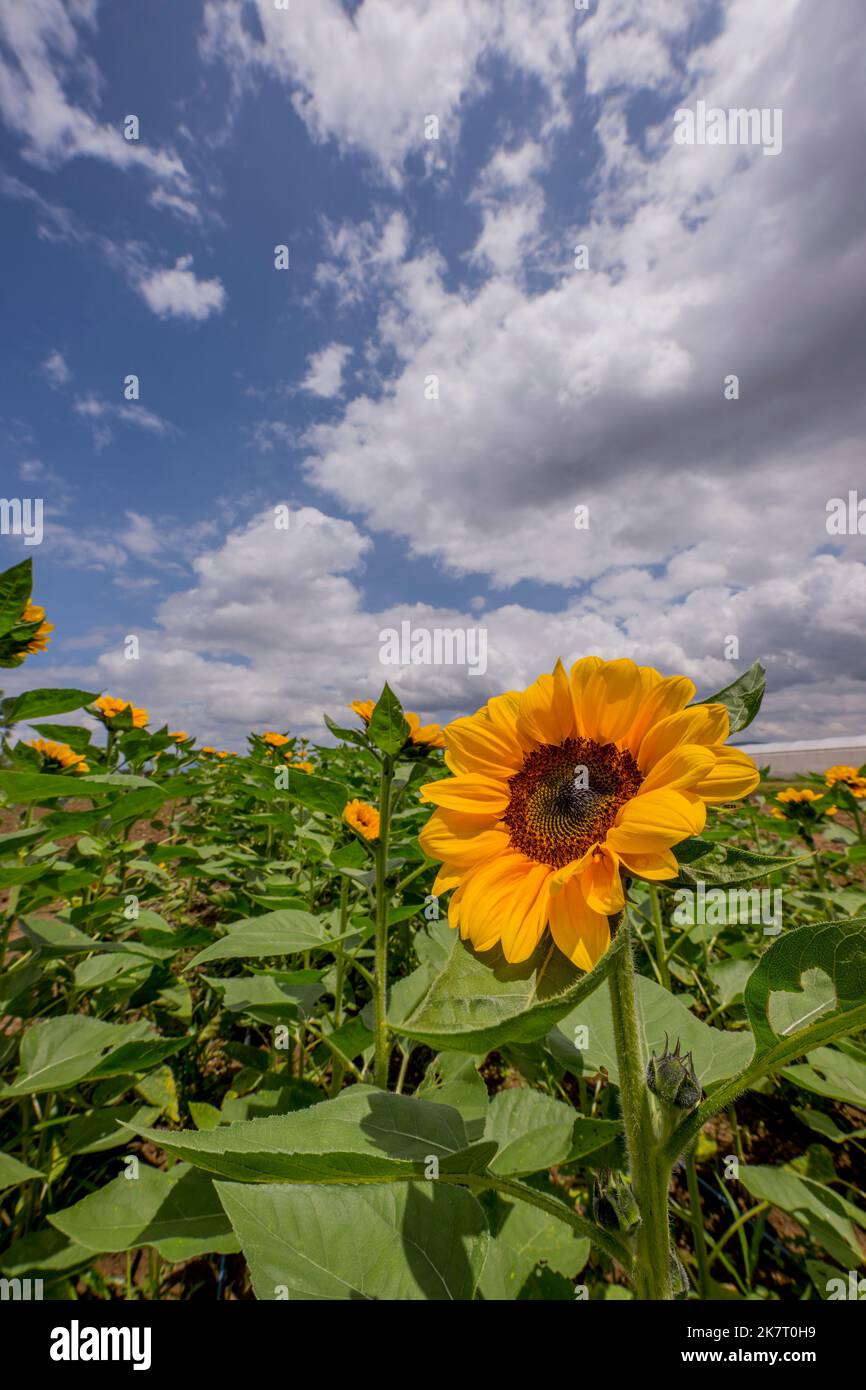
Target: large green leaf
(716, 1054)
(177, 1212)
(480, 1001)
(533, 1131)
(836, 948)
(23, 787)
(317, 793)
(281, 933)
(36, 704)
(742, 698)
(364, 1135)
(829, 1218)
(726, 865)
(16, 586)
(395, 1243)
(829, 1072)
(60, 1052)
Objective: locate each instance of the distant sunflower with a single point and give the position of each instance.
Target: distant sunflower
(363, 818)
(560, 789)
(34, 614)
(58, 755)
(273, 739)
(429, 734)
(849, 777)
(108, 707)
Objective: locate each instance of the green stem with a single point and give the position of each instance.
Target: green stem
(650, 1173)
(659, 937)
(696, 1222)
(508, 1187)
(380, 994)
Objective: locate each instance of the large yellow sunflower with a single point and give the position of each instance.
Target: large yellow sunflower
(560, 789)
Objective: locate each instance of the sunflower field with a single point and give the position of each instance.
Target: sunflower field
(563, 1001)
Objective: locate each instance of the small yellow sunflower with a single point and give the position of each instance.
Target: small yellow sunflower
(559, 789)
(848, 777)
(179, 735)
(429, 734)
(303, 767)
(363, 818)
(34, 614)
(274, 740)
(109, 708)
(804, 799)
(59, 754)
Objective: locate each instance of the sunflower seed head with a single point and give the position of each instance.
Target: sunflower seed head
(672, 1078)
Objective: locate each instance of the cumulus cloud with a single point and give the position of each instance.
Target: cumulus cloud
(325, 370)
(178, 293)
(56, 369)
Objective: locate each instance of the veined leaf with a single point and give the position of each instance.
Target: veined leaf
(364, 1135)
(479, 1001)
(742, 698)
(36, 704)
(60, 1052)
(403, 1242)
(13, 1173)
(726, 865)
(836, 948)
(534, 1131)
(388, 728)
(281, 933)
(177, 1212)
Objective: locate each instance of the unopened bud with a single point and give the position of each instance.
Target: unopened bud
(614, 1204)
(672, 1078)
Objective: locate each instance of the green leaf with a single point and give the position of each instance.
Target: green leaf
(317, 793)
(57, 1053)
(533, 1131)
(828, 1218)
(13, 1173)
(416, 1241)
(742, 698)
(281, 933)
(364, 1135)
(346, 735)
(36, 704)
(828, 1072)
(726, 865)
(716, 1054)
(524, 1238)
(836, 948)
(480, 1001)
(177, 1212)
(452, 1078)
(387, 728)
(16, 586)
(22, 787)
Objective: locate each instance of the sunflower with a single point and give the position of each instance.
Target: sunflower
(560, 789)
(109, 707)
(303, 767)
(363, 818)
(847, 777)
(58, 754)
(179, 735)
(34, 614)
(274, 740)
(419, 734)
(803, 802)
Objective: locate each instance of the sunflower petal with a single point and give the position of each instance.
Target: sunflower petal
(661, 865)
(656, 821)
(580, 933)
(684, 766)
(703, 724)
(471, 795)
(458, 840)
(611, 700)
(733, 776)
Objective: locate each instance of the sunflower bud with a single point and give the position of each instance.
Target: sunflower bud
(614, 1204)
(672, 1078)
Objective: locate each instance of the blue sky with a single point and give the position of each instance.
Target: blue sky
(412, 257)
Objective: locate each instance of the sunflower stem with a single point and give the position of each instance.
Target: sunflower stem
(380, 990)
(649, 1169)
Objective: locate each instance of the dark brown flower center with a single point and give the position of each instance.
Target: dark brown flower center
(566, 796)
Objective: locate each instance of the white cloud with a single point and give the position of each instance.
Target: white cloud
(368, 79)
(178, 293)
(325, 370)
(42, 53)
(56, 369)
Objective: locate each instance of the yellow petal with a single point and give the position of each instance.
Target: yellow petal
(703, 724)
(684, 766)
(601, 884)
(733, 776)
(472, 795)
(611, 700)
(545, 710)
(458, 840)
(526, 919)
(656, 821)
(580, 933)
(478, 745)
(665, 697)
(652, 866)
(489, 895)
(446, 879)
